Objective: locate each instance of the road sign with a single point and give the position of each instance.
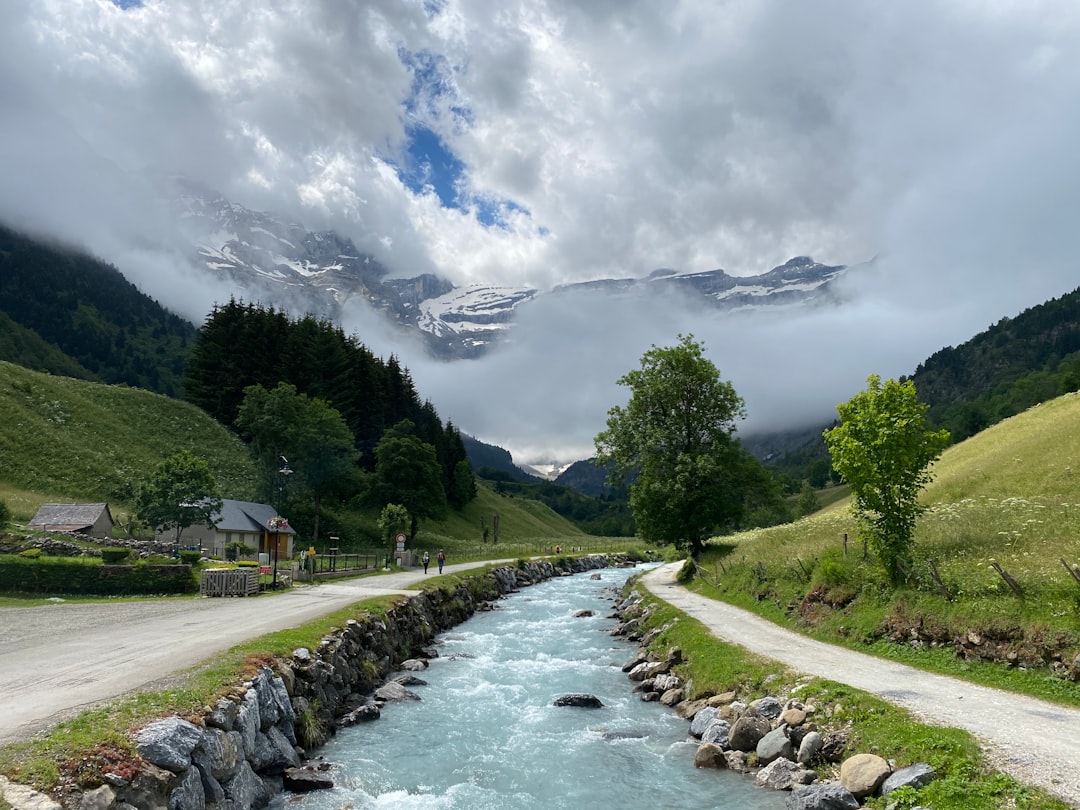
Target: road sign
(400, 539)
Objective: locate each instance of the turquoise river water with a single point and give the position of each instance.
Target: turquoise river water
(485, 735)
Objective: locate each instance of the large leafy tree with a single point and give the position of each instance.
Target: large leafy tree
(181, 492)
(408, 473)
(884, 450)
(284, 424)
(675, 438)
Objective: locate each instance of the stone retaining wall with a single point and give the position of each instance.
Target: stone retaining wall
(243, 750)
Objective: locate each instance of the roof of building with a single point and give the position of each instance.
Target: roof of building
(69, 517)
(244, 516)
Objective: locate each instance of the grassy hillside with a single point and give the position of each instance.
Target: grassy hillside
(1007, 496)
(68, 439)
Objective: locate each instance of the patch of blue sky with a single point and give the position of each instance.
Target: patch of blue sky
(126, 4)
(428, 163)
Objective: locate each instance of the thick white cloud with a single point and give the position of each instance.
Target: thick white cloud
(939, 136)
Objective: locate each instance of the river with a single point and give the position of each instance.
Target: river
(485, 734)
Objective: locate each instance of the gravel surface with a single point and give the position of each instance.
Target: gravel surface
(1034, 741)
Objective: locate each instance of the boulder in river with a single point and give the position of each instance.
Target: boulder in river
(584, 701)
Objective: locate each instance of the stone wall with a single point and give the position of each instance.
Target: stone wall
(251, 743)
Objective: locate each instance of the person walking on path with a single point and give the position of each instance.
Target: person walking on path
(442, 559)
(426, 560)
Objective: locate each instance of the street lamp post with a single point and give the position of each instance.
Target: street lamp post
(277, 522)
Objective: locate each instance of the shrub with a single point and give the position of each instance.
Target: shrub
(114, 555)
(30, 553)
(85, 575)
(236, 549)
(5, 514)
(247, 563)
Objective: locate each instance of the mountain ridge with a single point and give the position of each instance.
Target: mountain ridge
(280, 262)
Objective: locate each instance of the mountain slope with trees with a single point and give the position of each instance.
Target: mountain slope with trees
(1002, 371)
(65, 312)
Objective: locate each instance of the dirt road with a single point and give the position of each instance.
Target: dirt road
(1034, 741)
(60, 658)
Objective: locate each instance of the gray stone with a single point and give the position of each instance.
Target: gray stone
(736, 761)
(100, 798)
(583, 701)
(151, 788)
(702, 720)
(361, 714)
(168, 743)
(671, 697)
(284, 702)
(863, 774)
(223, 714)
(305, 780)
(825, 796)
(915, 776)
(809, 747)
(718, 732)
(783, 774)
(246, 789)
(248, 722)
(273, 753)
(774, 745)
(188, 795)
(663, 683)
(392, 691)
(709, 755)
(793, 717)
(212, 790)
(269, 711)
(220, 753)
(747, 731)
(767, 707)
(413, 665)
(21, 796)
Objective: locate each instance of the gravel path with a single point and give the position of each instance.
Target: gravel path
(59, 659)
(1036, 742)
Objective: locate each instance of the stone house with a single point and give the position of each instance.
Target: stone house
(238, 521)
(92, 519)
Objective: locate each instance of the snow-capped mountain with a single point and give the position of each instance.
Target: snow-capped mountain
(278, 262)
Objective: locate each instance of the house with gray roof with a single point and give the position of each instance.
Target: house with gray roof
(92, 519)
(252, 524)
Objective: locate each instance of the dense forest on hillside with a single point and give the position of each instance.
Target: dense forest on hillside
(241, 345)
(67, 313)
(1017, 363)
(1002, 371)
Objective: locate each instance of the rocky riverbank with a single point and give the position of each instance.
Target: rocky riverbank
(254, 741)
(778, 740)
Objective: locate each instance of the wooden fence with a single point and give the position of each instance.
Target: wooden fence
(229, 582)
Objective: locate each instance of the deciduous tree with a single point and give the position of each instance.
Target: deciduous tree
(312, 435)
(884, 450)
(675, 437)
(181, 492)
(407, 472)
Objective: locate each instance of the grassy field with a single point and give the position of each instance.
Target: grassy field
(65, 439)
(1007, 496)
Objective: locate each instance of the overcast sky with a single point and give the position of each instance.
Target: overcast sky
(533, 143)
